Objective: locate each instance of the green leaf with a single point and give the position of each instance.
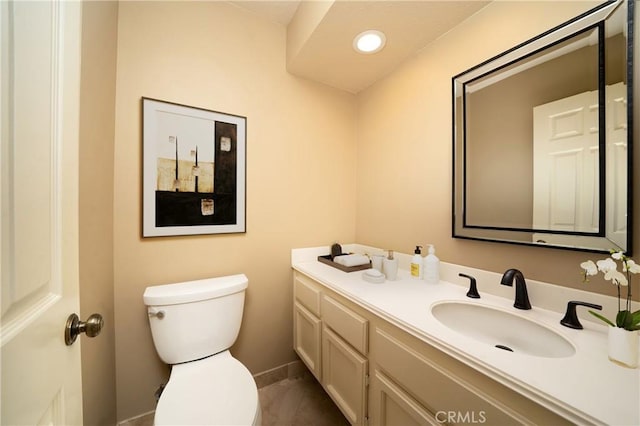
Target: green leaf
(601, 318)
(635, 318)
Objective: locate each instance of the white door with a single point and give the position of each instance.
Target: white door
(617, 163)
(40, 45)
(565, 164)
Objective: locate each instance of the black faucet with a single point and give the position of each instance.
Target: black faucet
(522, 297)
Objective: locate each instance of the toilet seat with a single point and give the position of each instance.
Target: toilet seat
(217, 390)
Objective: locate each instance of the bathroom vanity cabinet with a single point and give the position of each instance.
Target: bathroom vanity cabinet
(331, 338)
(380, 374)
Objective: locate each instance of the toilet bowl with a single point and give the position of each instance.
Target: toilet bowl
(217, 390)
(193, 325)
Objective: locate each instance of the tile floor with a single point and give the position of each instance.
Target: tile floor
(299, 401)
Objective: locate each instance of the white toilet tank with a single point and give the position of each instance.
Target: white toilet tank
(195, 319)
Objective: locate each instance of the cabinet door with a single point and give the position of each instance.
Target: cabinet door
(344, 376)
(391, 406)
(307, 336)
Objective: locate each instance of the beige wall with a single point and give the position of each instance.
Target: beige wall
(300, 175)
(97, 109)
(404, 148)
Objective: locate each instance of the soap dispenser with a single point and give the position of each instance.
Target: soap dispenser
(416, 264)
(432, 267)
(390, 266)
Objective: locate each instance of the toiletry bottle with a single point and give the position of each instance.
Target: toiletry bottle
(390, 266)
(416, 264)
(432, 267)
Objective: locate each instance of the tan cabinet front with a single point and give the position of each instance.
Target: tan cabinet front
(352, 327)
(344, 376)
(389, 405)
(307, 336)
(452, 392)
(307, 293)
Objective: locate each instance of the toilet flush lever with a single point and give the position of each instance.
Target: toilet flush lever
(158, 314)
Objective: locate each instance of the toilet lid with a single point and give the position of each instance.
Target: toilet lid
(217, 390)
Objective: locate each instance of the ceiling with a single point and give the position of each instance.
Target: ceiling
(320, 34)
(277, 11)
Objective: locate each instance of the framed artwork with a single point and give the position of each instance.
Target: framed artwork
(194, 170)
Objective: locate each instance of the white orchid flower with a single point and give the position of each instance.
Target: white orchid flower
(631, 266)
(616, 277)
(609, 268)
(606, 265)
(617, 255)
(589, 267)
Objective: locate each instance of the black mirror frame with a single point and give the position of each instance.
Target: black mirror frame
(574, 26)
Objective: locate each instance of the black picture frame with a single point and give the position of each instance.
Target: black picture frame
(194, 170)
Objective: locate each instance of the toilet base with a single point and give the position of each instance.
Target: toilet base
(217, 390)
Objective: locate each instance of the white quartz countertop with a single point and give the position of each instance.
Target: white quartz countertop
(584, 388)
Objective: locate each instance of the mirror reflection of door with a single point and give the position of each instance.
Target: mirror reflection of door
(566, 167)
(616, 164)
(565, 164)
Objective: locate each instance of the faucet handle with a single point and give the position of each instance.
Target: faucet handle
(571, 318)
(473, 290)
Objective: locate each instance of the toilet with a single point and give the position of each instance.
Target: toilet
(193, 325)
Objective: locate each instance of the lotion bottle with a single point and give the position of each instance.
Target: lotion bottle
(431, 267)
(416, 264)
(390, 266)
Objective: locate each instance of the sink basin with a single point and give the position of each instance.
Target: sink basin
(502, 329)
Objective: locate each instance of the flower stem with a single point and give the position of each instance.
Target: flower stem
(618, 288)
(628, 290)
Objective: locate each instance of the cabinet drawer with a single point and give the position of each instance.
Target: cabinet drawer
(307, 293)
(350, 326)
(436, 388)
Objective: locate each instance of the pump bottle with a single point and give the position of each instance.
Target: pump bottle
(390, 266)
(417, 268)
(432, 267)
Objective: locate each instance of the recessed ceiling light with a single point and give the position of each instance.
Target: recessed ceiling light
(370, 41)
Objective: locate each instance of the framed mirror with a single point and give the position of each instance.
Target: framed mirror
(542, 137)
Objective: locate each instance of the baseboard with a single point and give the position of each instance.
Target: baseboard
(145, 419)
(290, 370)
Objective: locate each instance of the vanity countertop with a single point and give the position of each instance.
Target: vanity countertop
(584, 388)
